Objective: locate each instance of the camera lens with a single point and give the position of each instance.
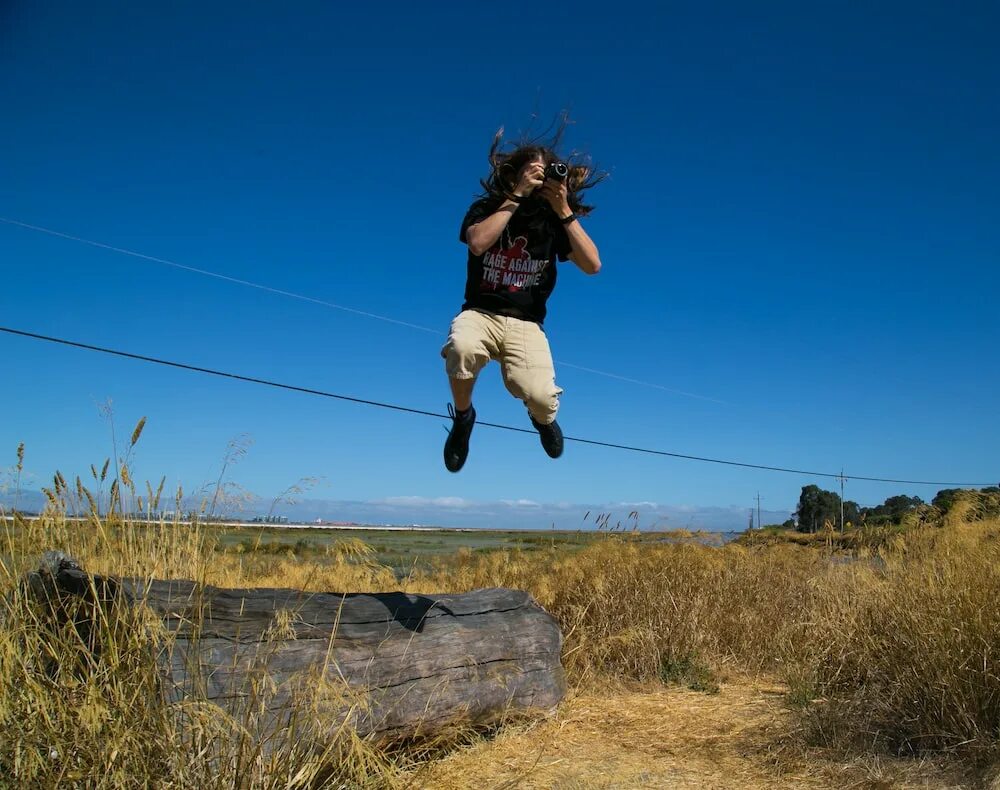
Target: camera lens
(558, 171)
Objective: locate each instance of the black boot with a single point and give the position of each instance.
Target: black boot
(551, 436)
(456, 447)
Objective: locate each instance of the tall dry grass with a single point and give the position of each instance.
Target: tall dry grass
(637, 610)
(904, 651)
(81, 696)
(892, 645)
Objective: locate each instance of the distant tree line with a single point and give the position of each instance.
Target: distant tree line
(817, 507)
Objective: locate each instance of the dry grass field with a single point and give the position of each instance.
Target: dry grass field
(871, 660)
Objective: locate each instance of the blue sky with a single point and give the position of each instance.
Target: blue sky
(800, 228)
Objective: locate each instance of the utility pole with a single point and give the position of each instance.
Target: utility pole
(841, 500)
(758, 510)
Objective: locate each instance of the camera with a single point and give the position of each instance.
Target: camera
(557, 171)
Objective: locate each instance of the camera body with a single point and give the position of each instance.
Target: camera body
(557, 171)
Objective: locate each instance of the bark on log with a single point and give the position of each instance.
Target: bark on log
(389, 664)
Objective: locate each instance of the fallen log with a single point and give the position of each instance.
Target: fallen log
(390, 665)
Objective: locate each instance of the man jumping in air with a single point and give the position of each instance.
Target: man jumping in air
(527, 218)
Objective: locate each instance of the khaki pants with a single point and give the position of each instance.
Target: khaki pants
(519, 346)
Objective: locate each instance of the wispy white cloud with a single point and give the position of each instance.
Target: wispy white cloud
(420, 501)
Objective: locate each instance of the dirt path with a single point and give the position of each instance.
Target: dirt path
(744, 738)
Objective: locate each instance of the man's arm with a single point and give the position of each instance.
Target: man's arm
(484, 234)
(583, 251)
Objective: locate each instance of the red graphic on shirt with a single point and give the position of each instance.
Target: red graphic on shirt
(510, 268)
(517, 249)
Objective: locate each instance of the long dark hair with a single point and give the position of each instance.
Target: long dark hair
(506, 164)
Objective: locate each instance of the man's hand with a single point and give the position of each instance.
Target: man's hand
(532, 175)
(556, 194)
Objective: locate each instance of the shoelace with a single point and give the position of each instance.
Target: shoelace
(455, 419)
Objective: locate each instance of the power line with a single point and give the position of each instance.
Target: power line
(321, 302)
(409, 410)
(216, 275)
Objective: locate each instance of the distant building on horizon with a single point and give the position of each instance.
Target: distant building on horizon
(269, 520)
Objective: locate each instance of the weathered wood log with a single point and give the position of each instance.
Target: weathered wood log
(388, 664)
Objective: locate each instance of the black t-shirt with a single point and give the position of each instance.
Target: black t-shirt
(516, 275)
